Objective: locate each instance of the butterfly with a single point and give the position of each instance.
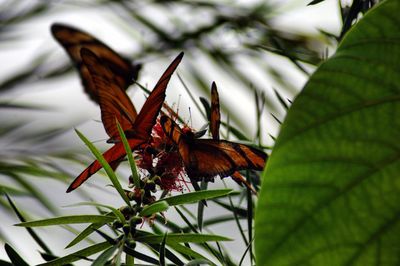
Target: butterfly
(113, 107)
(209, 157)
(73, 39)
(215, 122)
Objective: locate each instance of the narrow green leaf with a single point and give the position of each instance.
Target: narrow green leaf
(73, 219)
(196, 196)
(106, 166)
(162, 250)
(86, 252)
(250, 219)
(37, 239)
(15, 258)
(140, 256)
(6, 263)
(231, 207)
(188, 251)
(182, 238)
(129, 260)
(155, 207)
(132, 163)
(236, 217)
(116, 212)
(102, 259)
(87, 231)
(314, 2)
(201, 206)
(197, 262)
(212, 221)
(13, 191)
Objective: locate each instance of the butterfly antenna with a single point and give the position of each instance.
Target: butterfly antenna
(190, 117)
(177, 107)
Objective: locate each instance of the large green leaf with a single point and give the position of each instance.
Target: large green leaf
(331, 189)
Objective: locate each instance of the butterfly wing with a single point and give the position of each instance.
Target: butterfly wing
(149, 112)
(215, 117)
(114, 102)
(146, 119)
(209, 158)
(220, 157)
(113, 156)
(72, 39)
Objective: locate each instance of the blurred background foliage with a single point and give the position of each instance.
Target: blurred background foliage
(258, 63)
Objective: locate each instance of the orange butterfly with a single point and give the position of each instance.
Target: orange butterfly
(215, 122)
(215, 114)
(113, 104)
(208, 157)
(72, 39)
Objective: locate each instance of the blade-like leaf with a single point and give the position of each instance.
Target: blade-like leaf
(86, 252)
(155, 207)
(182, 238)
(193, 197)
(37, 239)
(73, 219)
(135, 176)
(14, 256)
(87, 231)
(331, 190)
(103, 257)
(115, 211)
(188, 251)
(314, 2)
(106, 167)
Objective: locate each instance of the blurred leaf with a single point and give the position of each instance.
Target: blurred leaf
(140, 256)
(87, 231)
(162, 250)
(22, 106)
(14, 256)
(189, 252)
(197, 262)
(5, 263)
(73, 219)
(315, 2)
(37, 194)
(37, 239)
(103, 257)
(357, 7)
(179, 238)
(332, 182)
(239, 211)
(213, 221)
(196, 196)
(281, 100)
(86, 252)
(12, 191)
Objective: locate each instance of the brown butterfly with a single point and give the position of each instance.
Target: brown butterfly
(215, 122)
(112, 101)
(73, 39)
(215, 114)
(208, 157)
